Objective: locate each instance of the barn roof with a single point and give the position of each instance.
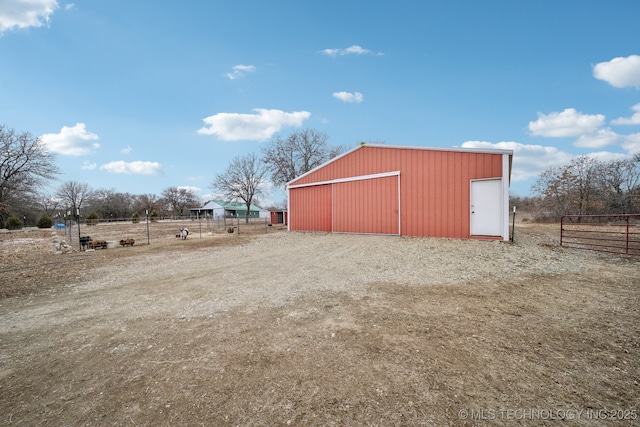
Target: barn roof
(406, 147)
(234, 206)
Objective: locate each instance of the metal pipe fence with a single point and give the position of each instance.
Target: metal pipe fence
(619, 234)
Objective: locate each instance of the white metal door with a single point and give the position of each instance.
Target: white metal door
(486, 207)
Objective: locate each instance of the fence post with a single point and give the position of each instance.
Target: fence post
(627, 235)
(147, 215)
(78, 216)
(70, 225)
(513, 225)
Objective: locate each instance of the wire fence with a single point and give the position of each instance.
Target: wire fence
(120, 232)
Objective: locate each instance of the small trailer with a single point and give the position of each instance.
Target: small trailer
(97, 244)
(127, 242)
(86, 242)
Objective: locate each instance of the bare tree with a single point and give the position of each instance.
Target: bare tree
(620, 180)
(73, 194)
(48, 204)
(242, 180)
(299, 153)
(586, 186)
(523, 203)
(571, 188)
(145, 202)
(111, 204)
(554, 188)
(584, 175)
(178, 199)
(25, 165)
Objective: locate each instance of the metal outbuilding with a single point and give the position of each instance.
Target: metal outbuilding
(279, 217)
(406, 191)
(216, 209)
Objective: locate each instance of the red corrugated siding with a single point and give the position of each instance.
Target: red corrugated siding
(310, 208)
(434, 186)
(366, 206)
(279, 217)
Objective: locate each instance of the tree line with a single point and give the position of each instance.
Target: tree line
(585, 186)
(27, 170)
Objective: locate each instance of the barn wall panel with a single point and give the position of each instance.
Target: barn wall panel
(366, 206)
(310, 208)
(435, 190)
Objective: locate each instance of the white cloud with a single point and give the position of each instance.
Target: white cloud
(133, 168)
(631, 143)
(528, 160)
(607, 156)
(87, 165)
(240, 71)
(598, 139)
(16, 14)
(348, 96)
(567, 123)
(633, 120)
(251, 127)
(619, 72)
(126, 150)
(197, 191)
(72, 141)
(351, 50)
(69, 6)
(586, 127)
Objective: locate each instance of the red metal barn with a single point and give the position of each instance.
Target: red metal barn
(406, 191)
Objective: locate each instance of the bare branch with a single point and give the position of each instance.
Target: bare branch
(301, 152)
(25, 166)
(73, 194)
(242, 180)
(179, 199)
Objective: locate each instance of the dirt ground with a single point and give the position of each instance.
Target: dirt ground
(277, 328)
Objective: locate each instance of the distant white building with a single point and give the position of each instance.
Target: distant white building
(218, 209)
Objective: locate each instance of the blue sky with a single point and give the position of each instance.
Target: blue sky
(138, 96)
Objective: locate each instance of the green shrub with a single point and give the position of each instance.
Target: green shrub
(136, 217)
(154, 215)
(13, 223)
(44, 221)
